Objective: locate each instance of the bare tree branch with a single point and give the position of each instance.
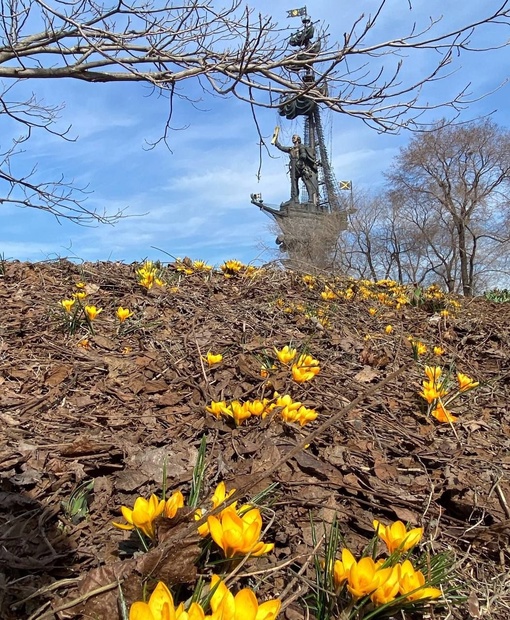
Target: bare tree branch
(232, 50)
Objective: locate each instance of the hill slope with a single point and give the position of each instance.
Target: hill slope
(112, 405)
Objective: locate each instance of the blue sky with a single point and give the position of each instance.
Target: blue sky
(196, 198)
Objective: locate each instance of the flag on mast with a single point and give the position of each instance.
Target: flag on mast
(346, 185)
(297, 12)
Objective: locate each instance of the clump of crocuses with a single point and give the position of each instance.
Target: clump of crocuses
(289, 410)
(395, 583)
(224, 605)
(440, 392)
(145, 513)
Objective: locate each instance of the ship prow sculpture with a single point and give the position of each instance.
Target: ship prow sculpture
(313, 217)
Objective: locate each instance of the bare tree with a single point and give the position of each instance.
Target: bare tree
(230, 51)
(361, 247)
(415, 241)
(451, 185)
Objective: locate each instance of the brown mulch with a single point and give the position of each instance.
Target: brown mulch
(112, 413)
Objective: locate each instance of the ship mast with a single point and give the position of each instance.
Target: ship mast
(314, 216)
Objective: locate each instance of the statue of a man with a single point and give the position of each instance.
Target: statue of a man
(302, 165)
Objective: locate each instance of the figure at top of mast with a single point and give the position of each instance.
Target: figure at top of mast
(291, 105)
(302, 37)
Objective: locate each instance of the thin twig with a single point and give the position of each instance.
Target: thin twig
(84, 597)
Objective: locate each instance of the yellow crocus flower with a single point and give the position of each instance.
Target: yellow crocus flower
(172, 504)
(412, 583)
(309, 280)
(80, 295)
(433, 372)
(442, 414)
(363, 577)
(123, 313)
(143, 515)
(92, 312)
(147, 275)
(308, 361)
(201, 265)
(257, 407)
(396, 536)
(328, 295)
(342, 567)
(429, 392)
(213, 359)
(466, 383)
(238, 535)
(289, 414)
(219, 496)
(419, 347)
(388, 329)
(252, 271)
(438, 351)
(203, 529)
(185, 266)
(305, 415)
(285, 355)
(217, 407)
(290, 408)
(147, 281)
(388, 586)
(286, 401)
(295, 411)
(226, 606)
(305, 368)
(195, 612)
(240, 412)
(300, 374)
(67, 304)
(231, 266)
(161, 607)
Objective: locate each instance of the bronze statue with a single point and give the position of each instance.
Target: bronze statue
(308, 234)
(302, 165)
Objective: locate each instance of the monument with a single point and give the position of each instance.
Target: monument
(314, 215)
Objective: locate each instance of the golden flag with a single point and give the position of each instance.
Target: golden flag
(346, 185)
